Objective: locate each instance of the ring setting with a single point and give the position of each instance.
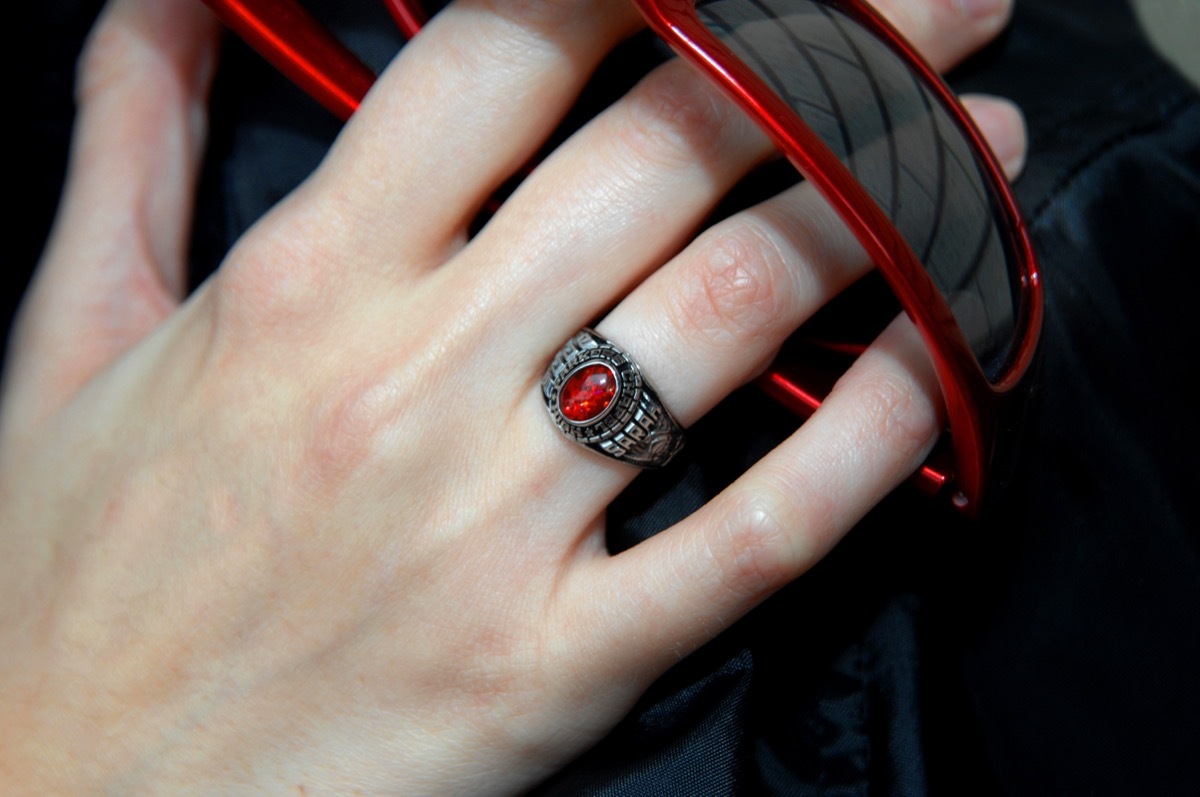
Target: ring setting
(598, 397)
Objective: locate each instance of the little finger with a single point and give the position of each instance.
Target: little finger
(672, 593)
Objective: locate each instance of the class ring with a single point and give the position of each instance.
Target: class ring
(598, 397)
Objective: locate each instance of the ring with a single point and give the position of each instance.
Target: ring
(598, 397)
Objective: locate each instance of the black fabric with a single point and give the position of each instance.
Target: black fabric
(1083, 667)
(1049, 649)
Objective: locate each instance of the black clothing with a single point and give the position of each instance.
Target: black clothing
(1050, 648)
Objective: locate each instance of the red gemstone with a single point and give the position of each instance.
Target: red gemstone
(588, 392)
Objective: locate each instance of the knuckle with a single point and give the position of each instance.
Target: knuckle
(749, 550)
(274, 284)
(942, 29)
(893, 411)
(674, 118)
(542, 15)
(354, 425)
(107, 59)
(735, 288)
(470, 58)
(266, 293)
(118, 57)
(504, 38)
(914, 20)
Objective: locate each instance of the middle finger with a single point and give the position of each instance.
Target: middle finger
(621, 197)
(460, 109)
(733, 296)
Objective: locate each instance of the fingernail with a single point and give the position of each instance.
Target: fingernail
(981, 9)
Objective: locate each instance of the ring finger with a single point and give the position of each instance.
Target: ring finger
(730, 299)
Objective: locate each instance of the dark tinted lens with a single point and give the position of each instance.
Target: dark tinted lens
(896, 138)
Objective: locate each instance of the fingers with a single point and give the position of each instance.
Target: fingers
(474, 96)
(618, 200)
(465, 105)
(673, 592)
(715, 316)
(947, 31)
(719, 311)
(1003, 125)
(471, 99)
(619, 197)
(115, 263)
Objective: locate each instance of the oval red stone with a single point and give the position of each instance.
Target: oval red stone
(588, 392)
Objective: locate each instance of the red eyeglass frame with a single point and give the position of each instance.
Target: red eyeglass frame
(317, 62)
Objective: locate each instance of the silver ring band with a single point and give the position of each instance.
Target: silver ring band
(598, 397)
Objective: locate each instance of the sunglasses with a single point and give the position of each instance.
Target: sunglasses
(861, 116)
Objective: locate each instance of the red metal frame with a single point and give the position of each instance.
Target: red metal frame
(409, 16)
(300, 47)
(974, 405)
(297, 45)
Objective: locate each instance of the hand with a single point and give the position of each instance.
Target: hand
(310, 527)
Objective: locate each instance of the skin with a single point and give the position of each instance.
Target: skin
(259, 539)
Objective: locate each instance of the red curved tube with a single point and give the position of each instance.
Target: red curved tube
(300, 47)
(304, 51)
(409, 17)
(788, 391)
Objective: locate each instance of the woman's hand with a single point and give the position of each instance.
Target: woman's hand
(310, 528)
